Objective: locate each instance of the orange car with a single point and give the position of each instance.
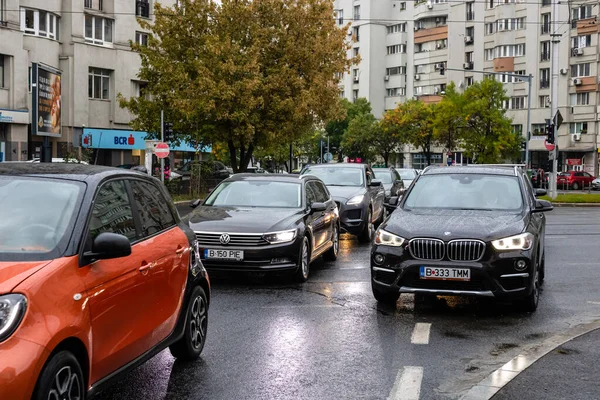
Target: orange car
(97, 275)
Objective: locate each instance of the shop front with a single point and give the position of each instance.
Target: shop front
(13, 134)
(113, 148)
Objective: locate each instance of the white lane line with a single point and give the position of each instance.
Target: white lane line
(408, 384)
(420, 334)
(594, 302)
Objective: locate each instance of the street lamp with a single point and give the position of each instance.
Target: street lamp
(528, 78)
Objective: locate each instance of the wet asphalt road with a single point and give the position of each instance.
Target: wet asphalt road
(328, 338)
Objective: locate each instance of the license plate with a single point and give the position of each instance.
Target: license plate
(224, 254)
(446, 274)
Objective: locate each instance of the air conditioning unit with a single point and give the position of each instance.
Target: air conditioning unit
(577, 51)
(386, 78)
(577, 81)
(417, 28)
(417, 77)
(564, 71)
(576, 137)
(468, 39)
(468, 65)
(547, 101)
(438, 46)
(350, 33)
(429, 5)
(355, 79)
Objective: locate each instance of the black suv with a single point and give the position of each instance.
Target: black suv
(474, 230)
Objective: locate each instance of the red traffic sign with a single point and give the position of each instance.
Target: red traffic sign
(549, 146)
(161, 150)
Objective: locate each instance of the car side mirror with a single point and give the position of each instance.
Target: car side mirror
(195, 203)
(318, 207)
(401, 192)
(540, 192)
(394, 200)
(109, 245)
(543, 206)
(375, 183)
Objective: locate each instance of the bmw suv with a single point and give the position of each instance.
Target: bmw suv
(474, 230)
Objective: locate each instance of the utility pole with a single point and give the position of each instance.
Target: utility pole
(162, 139)
(554, 96)
(528, 126)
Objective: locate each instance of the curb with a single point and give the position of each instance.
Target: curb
(576, 204)
(490, 386)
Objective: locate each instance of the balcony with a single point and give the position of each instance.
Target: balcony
(586, 26)
(504, 64)
(470, 15)
(428, 35)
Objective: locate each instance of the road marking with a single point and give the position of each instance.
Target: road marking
(594, 302)
(420, 334)
(408, 384)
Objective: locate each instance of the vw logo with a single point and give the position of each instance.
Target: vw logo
(447, 233)
(224, 239)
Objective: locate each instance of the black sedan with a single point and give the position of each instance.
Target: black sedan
(261, 223)
(463, 231)
(391, 180)
(359, 196)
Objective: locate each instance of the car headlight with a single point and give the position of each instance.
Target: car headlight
(356, 199)
(385, 238)
(524, 241)
(280, 237)
(12, 310)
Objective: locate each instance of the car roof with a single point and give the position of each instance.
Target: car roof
(383, 168)
(268, 177)
(339, 165)
(71, 171)
(508, 170)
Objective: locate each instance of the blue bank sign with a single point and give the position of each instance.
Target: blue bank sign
(124, 140)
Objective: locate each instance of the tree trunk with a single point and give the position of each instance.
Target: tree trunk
(245, 160)
(233, 156)
(386, 156)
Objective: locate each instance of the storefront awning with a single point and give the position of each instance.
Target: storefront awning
(113, 139)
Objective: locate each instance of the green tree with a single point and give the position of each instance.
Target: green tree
(242, 73)
(357, 140)
(488, 135)
(449, 120)
(336, 128)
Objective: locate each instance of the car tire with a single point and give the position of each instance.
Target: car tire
(575, 186)
(385, 297)
(303, 269)
(332, 253)
(190, 346)
(61, 377)
(367, 234)
(530, 303)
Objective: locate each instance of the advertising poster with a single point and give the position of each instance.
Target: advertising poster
(47, 102)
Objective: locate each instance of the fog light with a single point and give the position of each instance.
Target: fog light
(378, 259)
(520, 265)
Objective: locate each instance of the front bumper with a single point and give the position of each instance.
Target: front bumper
(21, 365)
(494, 276)
(276, 257)
(353, 218)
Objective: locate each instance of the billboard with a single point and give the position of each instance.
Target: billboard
(47, 101)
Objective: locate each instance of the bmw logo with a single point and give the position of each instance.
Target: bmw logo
(224, 239)
(447, 233)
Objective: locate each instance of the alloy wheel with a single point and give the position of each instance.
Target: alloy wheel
(305, 260)
(198, 322)
(65, 386)
(336, 241)
(370, 224)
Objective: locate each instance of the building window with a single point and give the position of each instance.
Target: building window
(39, 23)
(538, 129)
(397, 48)
(395, 92)
(544, 101)
(515, 103)
(579, 99)
(517, 129)
(419, 160)
(356, 51)
(544, 78)
(356, 33)
(581, 41)
(339, 14)
(545, 50)
(396, 28)
(98, 30)
(510, 24)
(141, 38)
(142, 8)
(140, 89)
(470, 11)
(403, 5)
(3, 13)
(355, 74)
(490, 28)
(93, 4)
(470, 35)
(355, 95)
(342, 93)
(99, 84)
(400, 70)
(578, 127)
(511, 50)
(2, 69)
(356, 16)
(578, 70)
(546, 3)
(469, 56)
(582, 12)
(546, 23)
(468, 81)
(506, 78)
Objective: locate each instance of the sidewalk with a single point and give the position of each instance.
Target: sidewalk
(571, 371)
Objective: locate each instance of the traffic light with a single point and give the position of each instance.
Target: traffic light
(523, 145)
(550, 133)
(168, 131)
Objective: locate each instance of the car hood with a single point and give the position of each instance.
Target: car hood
(242, 219)
(343, 193)
(12, 273)
(455, 224)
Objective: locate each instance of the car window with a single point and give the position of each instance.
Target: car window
(578, 173)
(368, 176)
(256, 193)
(153, 209)
(321, 194)
(112, 211)
(311, 195)
(587, 175)
(408, 174)
(383, 175)
(338, 176)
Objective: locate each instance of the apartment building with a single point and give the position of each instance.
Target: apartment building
(402, 45)
(87, 44)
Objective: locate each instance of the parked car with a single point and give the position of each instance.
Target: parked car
(391, 180)
(359, 196)
(218, 170)
(61, 160)
(266, 223)
(482, 235)
(408, 175)
(596, 184)
(97, 275)
(574, 180)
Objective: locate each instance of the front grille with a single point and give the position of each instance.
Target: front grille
(235, 240)
(354, 214)
(427, 249)
(466, 250)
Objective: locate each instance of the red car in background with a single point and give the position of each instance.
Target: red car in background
(574, 180)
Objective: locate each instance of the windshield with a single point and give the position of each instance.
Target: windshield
(338, 176)
(407, 174)
(36, 215)
(257, 193)
(466, 192)
(383, 175)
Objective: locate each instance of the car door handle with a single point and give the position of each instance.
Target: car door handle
(179, 250)
(145, 267)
